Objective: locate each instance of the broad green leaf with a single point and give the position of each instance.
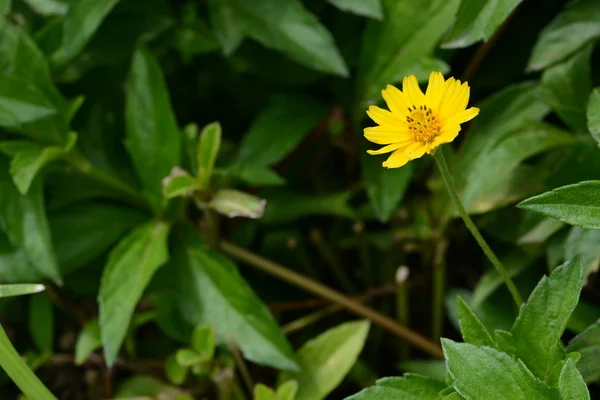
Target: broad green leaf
(204, 341)
(584, 243)
(227, 29)
(234, 203)
(408, 387)
(19, 289)
(128, 271)
(254, 175)
(175, 372)
(472, 329)
(385, 187)
(542, 320)
(587, 343)
(79, 25)
(593, 114)
(208, 148)
(486, 373)
(326, 359)
(263, 392)
(188, 357)
(24, 219)
(566, 87)
(48, 7)
(391, 49)
(286, 26)
(89, 339)
(292, 116)
(21, 103)
(153, 139)
(478, 20)
(577, 25)
(146, 386)
(453, 396)
(366, 8)
(577, 204)
(210, 290)
(41, 321)
(85, 231)
(287, 391)
(435, 369)
(179, 183)
(289, 206)
(571, 383)
(28, 158)
(490, 183)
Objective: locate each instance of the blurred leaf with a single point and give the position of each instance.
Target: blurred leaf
(385, 187)
(478, 20)
(254, 175)
(88, 340)
(28, 158)
(572, 29)
(593, 115)
(204, 341)
(326, 359)
(193, 39)
(179, 183)
(208, 148)
(287, 391)
(153, 139)
(188, 357)
(24, 219)
(286, 26)
(435, 369)
(391, 49)
(584, 315)
(571, 384)
(19, 289)
(293, 117)
(210, 290)
(541, 232)
(542, 320)
(365, 8)
(587, 343)
(566, 87)
(21, 103)
(288, 206)
(584, 243)
(471, 365)
(85, 231)
(79, 25)
(577, 204)
(41, 321)
(140, 385)
(48, 7)
(5, 6)
(227, 29)
(234, 203)
(128, 271)
(471, 328)
(262, 392)
(408, 387)
(175, 372)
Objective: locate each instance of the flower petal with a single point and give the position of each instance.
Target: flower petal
(396, 160)
(396, 101)
(463, 116)
(383, 117)
(415, 150)
(387, 149)
(435, 90)
(410, 87)
(386, 134)
(455, 100)
(447, 134)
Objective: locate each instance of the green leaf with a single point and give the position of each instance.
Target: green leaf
(286, 26)
(227, 29)
(478, 20)
(24, 219)
(15, 267)
(28, 158)
(293, 117)
(5, 6)
(365, 8)
(188, 357)
(210, 290)
(146, 386)
(435, 369)
(21, 103)
(128, 271)
(19, 289)
(208, 148)
(593, 114)
(48, 7)
(262, 392)
(577, 25)
(470, 366)
(326, 359)
(542, 320)
(41, 321)
(541, 232)
(408, 387)
(287, 391)
(204, 341)
(471, 328)
(290, 206)
(79, 25)
(571, 384)
(89, 339)
(175, 372)
(584, 243)
(234, 203)
(254, 175)
(190, 144)
(153, 139)
(566, 87)
(577, 204)
(179, 183)
(587, 343)
(385, 187)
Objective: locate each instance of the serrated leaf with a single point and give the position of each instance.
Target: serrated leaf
(543, 319)
(593, 115)
(179, 183)
(204, 341)
(234, 203)
(206, 154)
(365, 8)
(408, 387)
(89, 339)
(41, 321)
(577, 25)
(19, 289)
(227, 29)
(577, 204)
(131, 265)
(471, 328)
(587, 343)
(571, 384)
(287, 391)
(326, 359)
(486, 373)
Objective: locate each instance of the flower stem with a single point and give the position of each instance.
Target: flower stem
(439, 286)
(443, 167)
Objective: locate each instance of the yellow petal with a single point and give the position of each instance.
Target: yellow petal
(435, 90)
(396, 100)
(455, 100)
(396, 160)
(386, 149)
(386, 134)
(410, 87)
(383, 117)
(447, 134)
(415, 150)
(463, 116)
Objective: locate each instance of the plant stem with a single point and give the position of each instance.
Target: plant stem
(439, 286)
(242, 367)
(309, 319)
(402, 304)
(332, 295)
(443, 167)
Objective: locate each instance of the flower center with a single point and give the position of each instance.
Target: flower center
(423, 125)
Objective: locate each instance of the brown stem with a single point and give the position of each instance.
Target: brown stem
(59, 297)
(241, 364)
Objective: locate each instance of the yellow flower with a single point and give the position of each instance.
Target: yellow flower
(418, 123)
